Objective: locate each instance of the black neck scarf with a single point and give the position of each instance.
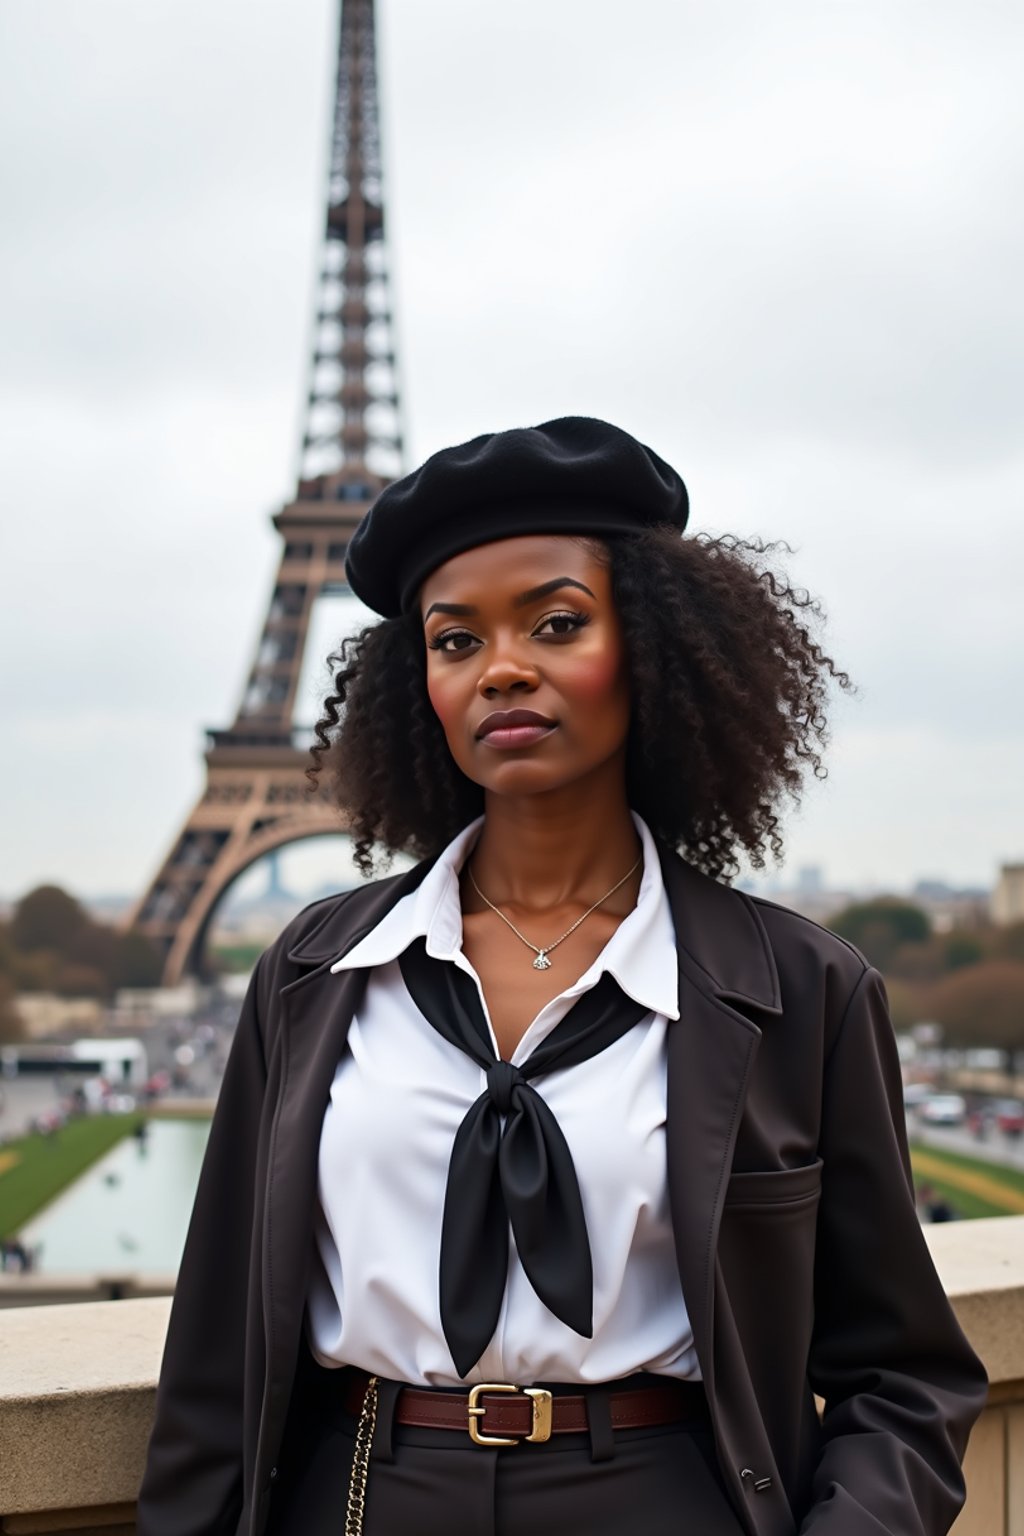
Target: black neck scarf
(521, 1175)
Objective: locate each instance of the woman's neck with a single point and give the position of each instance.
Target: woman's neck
(537, 852)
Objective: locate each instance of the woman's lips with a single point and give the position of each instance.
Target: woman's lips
(516, 735)
(514, 728)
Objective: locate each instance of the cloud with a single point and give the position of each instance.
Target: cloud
(781, 244)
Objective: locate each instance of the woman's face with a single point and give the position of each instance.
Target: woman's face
(526, 664)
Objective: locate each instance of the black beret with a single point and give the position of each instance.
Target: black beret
(573, 475)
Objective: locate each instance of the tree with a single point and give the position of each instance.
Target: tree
(981, 1005)
(136, 962)
(879, 928)
(906, 1007)
(1008, 942)
(94, 944)
(918, 962)
(48, 918)
(8, 953)
(77, 980)
(11, 1027)
(53, 945)
(962, 949)
(35, 972)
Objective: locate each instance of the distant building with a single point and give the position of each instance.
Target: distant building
(813, 901)
(1008, 897)
(949, 908)
(930, 889)
(276, 889)
(119, 1061)
(138, 1007)
(44, 1014)
(819, 905)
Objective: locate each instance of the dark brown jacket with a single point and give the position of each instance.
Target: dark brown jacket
(800, 1254)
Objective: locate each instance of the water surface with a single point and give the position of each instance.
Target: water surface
(128, 1213)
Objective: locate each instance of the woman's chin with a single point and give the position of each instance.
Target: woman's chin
(529, 779)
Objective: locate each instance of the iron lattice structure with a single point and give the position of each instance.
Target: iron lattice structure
(255, 798)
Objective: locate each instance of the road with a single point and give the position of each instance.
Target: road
(996, 1148)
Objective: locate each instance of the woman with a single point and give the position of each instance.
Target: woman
(551, 1180)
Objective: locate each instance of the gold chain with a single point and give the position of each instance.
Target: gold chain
(361, 1461)
(542, 963)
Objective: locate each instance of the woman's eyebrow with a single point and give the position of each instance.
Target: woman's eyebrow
(466, 610)
(548, 587)
(463, 610)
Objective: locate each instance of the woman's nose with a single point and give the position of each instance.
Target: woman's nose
(506, 671)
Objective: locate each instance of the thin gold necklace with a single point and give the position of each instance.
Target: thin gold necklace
(542, 963)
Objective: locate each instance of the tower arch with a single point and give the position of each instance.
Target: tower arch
(255, 797)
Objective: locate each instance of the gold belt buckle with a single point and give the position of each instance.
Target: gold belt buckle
(540, 1401)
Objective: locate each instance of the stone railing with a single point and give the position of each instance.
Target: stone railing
(77, 1389)
(77, 1392)
(34, 1290)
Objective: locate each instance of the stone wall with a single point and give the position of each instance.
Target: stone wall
(78, 1385)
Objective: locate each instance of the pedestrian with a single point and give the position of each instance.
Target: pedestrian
(15, 1258)
(934, 1206)
(552, 1178)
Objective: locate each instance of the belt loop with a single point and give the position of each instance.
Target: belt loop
(382, 1448)
(599, 1423)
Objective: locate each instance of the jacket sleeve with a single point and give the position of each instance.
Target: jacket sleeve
(902, 1387)
(192, 1484)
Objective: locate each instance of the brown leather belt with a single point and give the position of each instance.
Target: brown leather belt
(498, 1413)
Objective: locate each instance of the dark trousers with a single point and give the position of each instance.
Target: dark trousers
(430, 1482)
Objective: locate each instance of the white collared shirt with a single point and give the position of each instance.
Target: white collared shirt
(399, 1095)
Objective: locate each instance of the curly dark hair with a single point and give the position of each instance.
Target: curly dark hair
(728, 691)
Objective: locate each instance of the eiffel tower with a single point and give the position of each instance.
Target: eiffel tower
(255, 799)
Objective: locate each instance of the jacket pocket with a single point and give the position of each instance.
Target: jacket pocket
(784, 1187)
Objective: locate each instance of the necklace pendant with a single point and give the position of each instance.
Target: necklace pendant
(542, 963)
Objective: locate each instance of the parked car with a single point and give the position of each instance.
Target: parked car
(943, 1109)
(1010, 1116)
(915, 1094)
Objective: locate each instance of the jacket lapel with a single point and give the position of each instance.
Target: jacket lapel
(317, 1009)
(726, 972)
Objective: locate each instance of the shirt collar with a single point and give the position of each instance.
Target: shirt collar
(641, 953)
(432, 911)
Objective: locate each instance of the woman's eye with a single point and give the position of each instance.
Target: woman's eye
(554, 626)
(451, 641)
(561, 623)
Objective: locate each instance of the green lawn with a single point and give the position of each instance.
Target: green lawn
(234, 958)
(36, 1168)
(962, 1201)
(972, 1186)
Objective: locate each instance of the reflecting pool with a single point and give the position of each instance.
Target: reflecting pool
(128, 1213)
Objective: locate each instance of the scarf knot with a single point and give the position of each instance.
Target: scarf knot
(502, 1079)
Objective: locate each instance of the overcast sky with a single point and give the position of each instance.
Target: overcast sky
(780, 243)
